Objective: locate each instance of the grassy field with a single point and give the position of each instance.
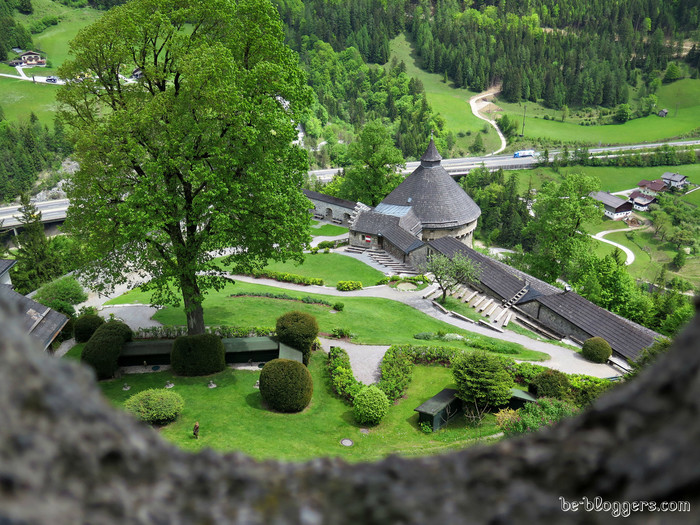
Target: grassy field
(19, 98)
(331, 267)
(233, 418)
(450, 103)
(326, 230)
(373, 321)
(683, 95)
(611, 178)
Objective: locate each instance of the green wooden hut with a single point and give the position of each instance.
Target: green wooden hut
(439, 409)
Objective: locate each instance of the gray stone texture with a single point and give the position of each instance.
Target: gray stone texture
(67, 457)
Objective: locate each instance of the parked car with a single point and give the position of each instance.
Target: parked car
(52, 80)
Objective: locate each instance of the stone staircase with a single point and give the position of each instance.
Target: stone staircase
(496, 315)
(382, 258)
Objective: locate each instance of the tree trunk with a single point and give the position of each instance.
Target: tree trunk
(192, 298)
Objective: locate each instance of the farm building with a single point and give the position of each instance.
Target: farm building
(674, 180)
(615, 208)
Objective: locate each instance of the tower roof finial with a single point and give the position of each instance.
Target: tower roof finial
(431, 157)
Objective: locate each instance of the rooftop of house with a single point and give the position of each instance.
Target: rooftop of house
(5, 265)
(653, 185)
(389, 227)
(607, 199)
(437, 200)
(314, 195)
(39, 321)
(673, 177)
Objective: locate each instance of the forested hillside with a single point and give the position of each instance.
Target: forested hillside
(12, 34)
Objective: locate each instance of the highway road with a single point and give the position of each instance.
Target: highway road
(460, 166)
(56, 210)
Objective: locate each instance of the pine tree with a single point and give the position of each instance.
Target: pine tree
(36, 264)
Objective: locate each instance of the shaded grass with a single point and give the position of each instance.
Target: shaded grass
(233, 418)
(327, 230)
(74, 353)
(373, 321)
(446, 100)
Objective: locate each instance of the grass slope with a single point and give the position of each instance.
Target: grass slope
(373, 321)
(451, 103)
(683, 95)
(232, 418)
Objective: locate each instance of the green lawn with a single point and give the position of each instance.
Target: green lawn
(373, 321)
(451, 103)
(331, 267)
(18, 98)
(326, 230)
(74, 353)
(611, 178)
(684, 93)
(232, 418)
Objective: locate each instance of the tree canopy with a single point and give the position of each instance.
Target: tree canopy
(451, 272)
(195, 156)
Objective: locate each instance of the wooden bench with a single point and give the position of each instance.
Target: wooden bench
(336, 221)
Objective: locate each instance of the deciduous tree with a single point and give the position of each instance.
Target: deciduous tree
(195, 156)
(451, 272)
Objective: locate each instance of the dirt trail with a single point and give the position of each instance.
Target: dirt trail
(476, 103)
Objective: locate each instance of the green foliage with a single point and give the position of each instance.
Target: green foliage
(649, 355)
(623, 113)
(338, 307)
(286, 385)
(341, 333)
(326, 244)
(396, 372)
(673, 73)
(85, 326)
(66, 289)
(157, 406)
(679, 260)
(449, 273)
(543, 412)
(596, 349)
(524, 373)
(550, 383)
(287, 277)
(36, 264)
(102, 350)
(198, 355)
(343, 381)
(370, 405)
(306, 299)
(117, 328)
(182, 171)
(508, 126)
(298, 330)
(586, 389)
(374, 166)
(348, 286)
(482, 381)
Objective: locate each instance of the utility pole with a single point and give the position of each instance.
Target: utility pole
(522, 133)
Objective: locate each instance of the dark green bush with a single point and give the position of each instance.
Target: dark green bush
(286, 385)
(544, 412)
(586, 389)
(298, 330)
(370, 405)
(155, 405)
(338, 307)
(198, 355)
(102, 350)
(396, 372)
(596, 349)
(326, 244)
(342, 379)
(85, 326)
(118, 328)
(101, 353)
(550, 383)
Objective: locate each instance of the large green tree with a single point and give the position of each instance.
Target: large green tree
(556, 232)
(451, 272)
(374, 166)
(194, 157)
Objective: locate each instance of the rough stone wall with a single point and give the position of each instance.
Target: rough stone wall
(553, 321)
(332, 211)
(67, 457)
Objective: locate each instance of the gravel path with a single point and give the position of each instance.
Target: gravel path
(475, 105)
(629, 253)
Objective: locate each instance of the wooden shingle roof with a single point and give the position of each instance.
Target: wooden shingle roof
(39, 321)
(388, 226)
(5, 265)
(316, 196)
(437, 200)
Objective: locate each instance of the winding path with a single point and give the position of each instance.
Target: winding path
(474, 104)
(630, 254)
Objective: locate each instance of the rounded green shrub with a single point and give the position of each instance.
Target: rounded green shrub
(286, 385)
(298, 330)
(85, 326)
(370, 405)
(118, 328)
(550, 383)
(596, 349)
(101, 353)
(198, 355)
(155, 405)
(338, 307)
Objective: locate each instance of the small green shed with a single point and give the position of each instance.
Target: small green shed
(519, 398)
(439, 409)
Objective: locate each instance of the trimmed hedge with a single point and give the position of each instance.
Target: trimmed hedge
(596, 349)
(396, 372)
(298, 330)
(155, 405)
(198, 355)
(550, 383)
(85, 326)
(102, 351)
(286, 385)
(348, 286)
(370, 405)
(343, 381)
(287, 277)
(544, 412)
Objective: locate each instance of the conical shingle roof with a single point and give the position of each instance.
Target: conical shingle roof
(437, 200)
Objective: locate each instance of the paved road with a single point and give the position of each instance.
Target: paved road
(629, 253)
